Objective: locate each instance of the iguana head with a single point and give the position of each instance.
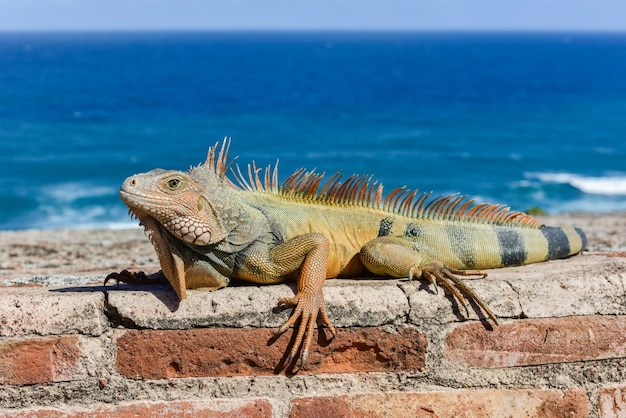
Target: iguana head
(179, 202)
(177, 208)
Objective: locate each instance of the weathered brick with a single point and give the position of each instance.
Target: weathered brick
(215, 408)
(463, 403)
(26, 311)
(538, 341)
(612, 402)
(39, 360)
(160, 354)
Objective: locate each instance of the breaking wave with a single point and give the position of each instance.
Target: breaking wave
(614, 185)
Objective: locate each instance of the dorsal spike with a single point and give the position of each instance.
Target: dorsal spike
(275, 178)
(267, 181)
(371, 198)
(427, 209)
(241, 180)
(378, 196)
(329, 185)
(439, 202)
(454, 207)
(363, 190)
(417, 210)
(389, 200)
(406, 203)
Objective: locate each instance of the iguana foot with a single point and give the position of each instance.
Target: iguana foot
(309, 308)
(138, 277)
(438, 274)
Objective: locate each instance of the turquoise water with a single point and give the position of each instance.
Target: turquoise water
(522, 119)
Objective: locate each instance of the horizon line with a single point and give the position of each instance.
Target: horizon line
(314, 30)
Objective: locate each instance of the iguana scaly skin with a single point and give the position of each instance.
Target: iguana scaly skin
(206, 230)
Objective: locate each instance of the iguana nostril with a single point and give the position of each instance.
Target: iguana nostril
(133, 182)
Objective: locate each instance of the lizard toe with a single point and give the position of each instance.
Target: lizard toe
(309, 310)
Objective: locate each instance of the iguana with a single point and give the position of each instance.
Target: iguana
(207, 229)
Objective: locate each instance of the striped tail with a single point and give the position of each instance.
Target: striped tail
(563, 242)
(539, 244)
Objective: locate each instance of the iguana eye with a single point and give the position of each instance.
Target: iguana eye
(173, 184)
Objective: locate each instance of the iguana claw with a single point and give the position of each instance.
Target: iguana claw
(138, 277)
(308, 308)
(438, 273)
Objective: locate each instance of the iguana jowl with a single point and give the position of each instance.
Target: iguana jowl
(206, 229)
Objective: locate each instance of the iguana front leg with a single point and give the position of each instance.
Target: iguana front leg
(307, 253)
(396, 257)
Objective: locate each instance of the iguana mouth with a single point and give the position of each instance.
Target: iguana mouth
(170, 259)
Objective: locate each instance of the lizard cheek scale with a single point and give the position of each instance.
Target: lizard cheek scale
(208, 228)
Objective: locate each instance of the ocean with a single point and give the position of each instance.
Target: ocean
(524, 119)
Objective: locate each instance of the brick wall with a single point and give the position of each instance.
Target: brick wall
(401, 349)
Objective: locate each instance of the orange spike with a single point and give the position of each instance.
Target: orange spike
(267, 183)
(220, 165)
(471, 213)
(389, 200)
(378, 196)
(371, 196)
(428, 208)
(363, 190)
(356, 188)
(345, 189)
(454, 208)
(418, 210)
(462, 210)
(330, 185)
(451, 203)
(397, 201)
(435, 210)
(406, 203)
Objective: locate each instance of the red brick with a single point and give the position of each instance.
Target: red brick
(462, 403)
(161, 354)
(39, 360)
(612, 402)
(217, 408)
(538, 341)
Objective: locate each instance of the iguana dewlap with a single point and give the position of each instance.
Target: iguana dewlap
(206, 230)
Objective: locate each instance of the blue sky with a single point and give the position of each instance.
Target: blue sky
(604, 15)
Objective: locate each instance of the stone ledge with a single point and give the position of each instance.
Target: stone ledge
(36, 311)
(581, 285)
(350, 303)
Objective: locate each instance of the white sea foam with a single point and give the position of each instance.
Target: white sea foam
(85, 217)
(613, 185)
(71, 191)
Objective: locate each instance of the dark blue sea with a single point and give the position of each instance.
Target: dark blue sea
(526, 119)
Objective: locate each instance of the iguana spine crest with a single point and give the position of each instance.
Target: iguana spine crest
(359, 190)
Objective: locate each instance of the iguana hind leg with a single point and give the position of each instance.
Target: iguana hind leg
(396, 257)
